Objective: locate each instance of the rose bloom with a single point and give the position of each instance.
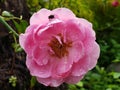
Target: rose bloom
(60, 47)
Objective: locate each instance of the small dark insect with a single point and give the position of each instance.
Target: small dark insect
(51, 16)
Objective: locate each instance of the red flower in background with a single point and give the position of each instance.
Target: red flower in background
(60, 47)
(115, 3)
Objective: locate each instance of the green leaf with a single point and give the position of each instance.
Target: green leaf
(21, 26)
(72, 87)
(80, 84)
(17, 47)
(108, 89)
(33, 82)
(116, 75)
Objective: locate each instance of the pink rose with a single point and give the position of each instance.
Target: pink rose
(60, 47)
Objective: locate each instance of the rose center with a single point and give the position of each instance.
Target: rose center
(59, 47)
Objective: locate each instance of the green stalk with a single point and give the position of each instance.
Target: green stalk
(7, 25)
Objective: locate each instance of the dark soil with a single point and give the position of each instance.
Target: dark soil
(12, 63)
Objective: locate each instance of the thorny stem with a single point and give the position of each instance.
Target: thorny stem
(7, 26)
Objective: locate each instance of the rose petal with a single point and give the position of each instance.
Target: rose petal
(90, 47)
(37, 70)
(22, 39)
(62, 68)
(50, 81)
(81, 67)
(94, 55)
(26, 40)
(41, 17)
(87, 28)
(74, 31)
(47, 33)
(73, 79)
(87, 62)
(64, 13)
(76, 52)
(41, 55)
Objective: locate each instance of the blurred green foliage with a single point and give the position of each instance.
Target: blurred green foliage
(99, 80)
